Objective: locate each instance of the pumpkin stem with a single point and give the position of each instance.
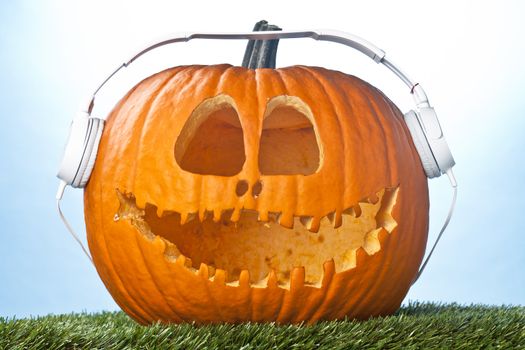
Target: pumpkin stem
(261, 53)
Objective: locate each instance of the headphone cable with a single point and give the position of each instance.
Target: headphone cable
(454, 185)
(59, 195)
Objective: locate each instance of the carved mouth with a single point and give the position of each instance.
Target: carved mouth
(242, 245)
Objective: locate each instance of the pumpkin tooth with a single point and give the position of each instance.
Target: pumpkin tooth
(217, 215)
(272, 280)
(187, 217)
(203, 271)
(202, 215)
(263, 216)
(297, 277)
(221, 276)
(160, 212)
(360, 256)
(315, 224)
(181, 260)
(328, 272)
(236, 215)
(286, 220)
(244, 278)
(188, 263)
(358, 211)
(336, 218)
(183, 218)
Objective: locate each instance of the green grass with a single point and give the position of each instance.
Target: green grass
(416, 326)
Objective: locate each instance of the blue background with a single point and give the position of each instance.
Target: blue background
(468, 56)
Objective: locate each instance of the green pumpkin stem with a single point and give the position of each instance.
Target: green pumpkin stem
(261, 53)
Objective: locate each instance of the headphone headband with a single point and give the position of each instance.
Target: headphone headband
(347, 39)
(437, 151)
(436, 158)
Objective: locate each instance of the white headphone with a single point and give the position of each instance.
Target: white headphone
(85, 132)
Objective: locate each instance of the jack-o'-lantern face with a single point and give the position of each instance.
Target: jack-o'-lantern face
(218, 190)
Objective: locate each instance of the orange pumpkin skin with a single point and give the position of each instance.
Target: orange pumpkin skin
(365, 147)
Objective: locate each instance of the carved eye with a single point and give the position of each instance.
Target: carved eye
(211, 142)
(289, 142)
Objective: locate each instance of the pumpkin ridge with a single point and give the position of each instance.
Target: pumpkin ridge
(138, 304)
(340, 98)
(281, 74)
(144, 114)
(369, 292)
(389, 153)
(336, 113)
(99, 242)
(328, 292)
(160, 291)
(327, 284)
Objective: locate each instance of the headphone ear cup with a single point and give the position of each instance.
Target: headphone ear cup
(90, 155)
(81, 149)
(422, 146)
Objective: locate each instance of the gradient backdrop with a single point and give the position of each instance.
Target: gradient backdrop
(468, 55)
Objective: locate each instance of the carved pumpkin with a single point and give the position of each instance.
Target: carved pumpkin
(226, 194)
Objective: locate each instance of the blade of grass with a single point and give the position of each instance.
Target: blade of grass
(415, 326)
